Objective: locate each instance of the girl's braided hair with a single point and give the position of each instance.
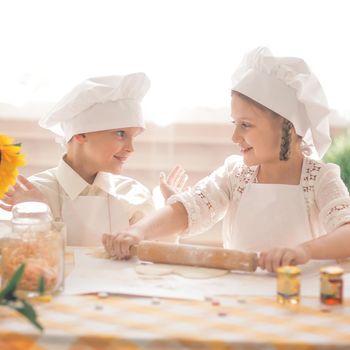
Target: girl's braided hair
(286, 139)
(286, 125)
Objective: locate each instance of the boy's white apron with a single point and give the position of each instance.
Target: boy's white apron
(268, 216)
(88, 217)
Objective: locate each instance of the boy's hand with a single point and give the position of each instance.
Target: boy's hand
(22, 191)
(174, 182)
(277, 257)
(118, 245)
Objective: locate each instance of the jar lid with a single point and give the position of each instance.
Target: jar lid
(31, 212)
(289, 270)
(332, 270)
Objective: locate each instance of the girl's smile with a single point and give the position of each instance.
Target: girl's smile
(245, 149)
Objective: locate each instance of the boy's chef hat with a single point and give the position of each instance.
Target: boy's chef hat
(288, 87)
(100, 103)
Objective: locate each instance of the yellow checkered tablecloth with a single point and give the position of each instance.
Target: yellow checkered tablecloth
(116, 322)
(90, 322)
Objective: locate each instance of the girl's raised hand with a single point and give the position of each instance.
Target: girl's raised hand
(22, 191)
(277, 257)
(174, 182)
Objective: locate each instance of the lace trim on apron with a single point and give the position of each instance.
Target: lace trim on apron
(247, 175)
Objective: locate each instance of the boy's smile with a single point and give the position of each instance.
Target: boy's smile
(121, 159)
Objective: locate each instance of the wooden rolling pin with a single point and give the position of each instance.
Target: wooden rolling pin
(194, 255)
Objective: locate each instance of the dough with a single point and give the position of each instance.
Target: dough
(184, 271)
(198, 272)
(98, 252)
(153, 269)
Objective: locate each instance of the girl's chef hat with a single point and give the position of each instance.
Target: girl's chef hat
(288, 87)
(100, 103)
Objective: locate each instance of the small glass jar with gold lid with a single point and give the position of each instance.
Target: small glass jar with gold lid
(288, 285)
(331, 291)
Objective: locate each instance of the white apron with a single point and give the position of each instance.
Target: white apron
(269, 216)
(88, 217)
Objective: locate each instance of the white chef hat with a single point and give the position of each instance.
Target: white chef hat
(287, 86)
(97, 104)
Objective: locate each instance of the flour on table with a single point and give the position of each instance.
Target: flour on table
(184, 271)
(198, 272)
(153, 269)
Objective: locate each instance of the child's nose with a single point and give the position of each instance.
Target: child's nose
(129, 146)
(236, 137)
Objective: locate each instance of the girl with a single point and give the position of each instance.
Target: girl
(275, 199)
(97, 121)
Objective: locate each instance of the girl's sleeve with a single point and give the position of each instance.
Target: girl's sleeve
(207, 201)
(332, 198)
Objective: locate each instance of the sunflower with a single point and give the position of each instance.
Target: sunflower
(10, 159)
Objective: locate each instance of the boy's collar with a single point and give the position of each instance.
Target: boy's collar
(73, 184)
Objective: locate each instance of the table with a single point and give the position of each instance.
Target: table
(86, 322)
(120, 322)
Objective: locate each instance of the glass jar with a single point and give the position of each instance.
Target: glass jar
(37, 242)
(331, 291)
(288, 285)
(4, 233)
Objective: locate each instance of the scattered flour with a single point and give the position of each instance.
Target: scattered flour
(184, 271)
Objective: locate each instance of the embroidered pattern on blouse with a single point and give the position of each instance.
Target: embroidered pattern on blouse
(205, 198)
(312, 170)
(243, 176)
(333, 219)
(338, 215)
(338, 208)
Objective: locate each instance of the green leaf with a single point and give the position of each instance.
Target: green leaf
(8, 292)
(27, 311)
(9, 298)
(41, 287)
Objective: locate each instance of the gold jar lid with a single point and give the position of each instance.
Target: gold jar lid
(332, 270)
(288, 270)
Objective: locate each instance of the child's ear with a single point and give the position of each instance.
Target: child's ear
(80, 138)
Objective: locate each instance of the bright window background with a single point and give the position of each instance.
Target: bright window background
(188, 48)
